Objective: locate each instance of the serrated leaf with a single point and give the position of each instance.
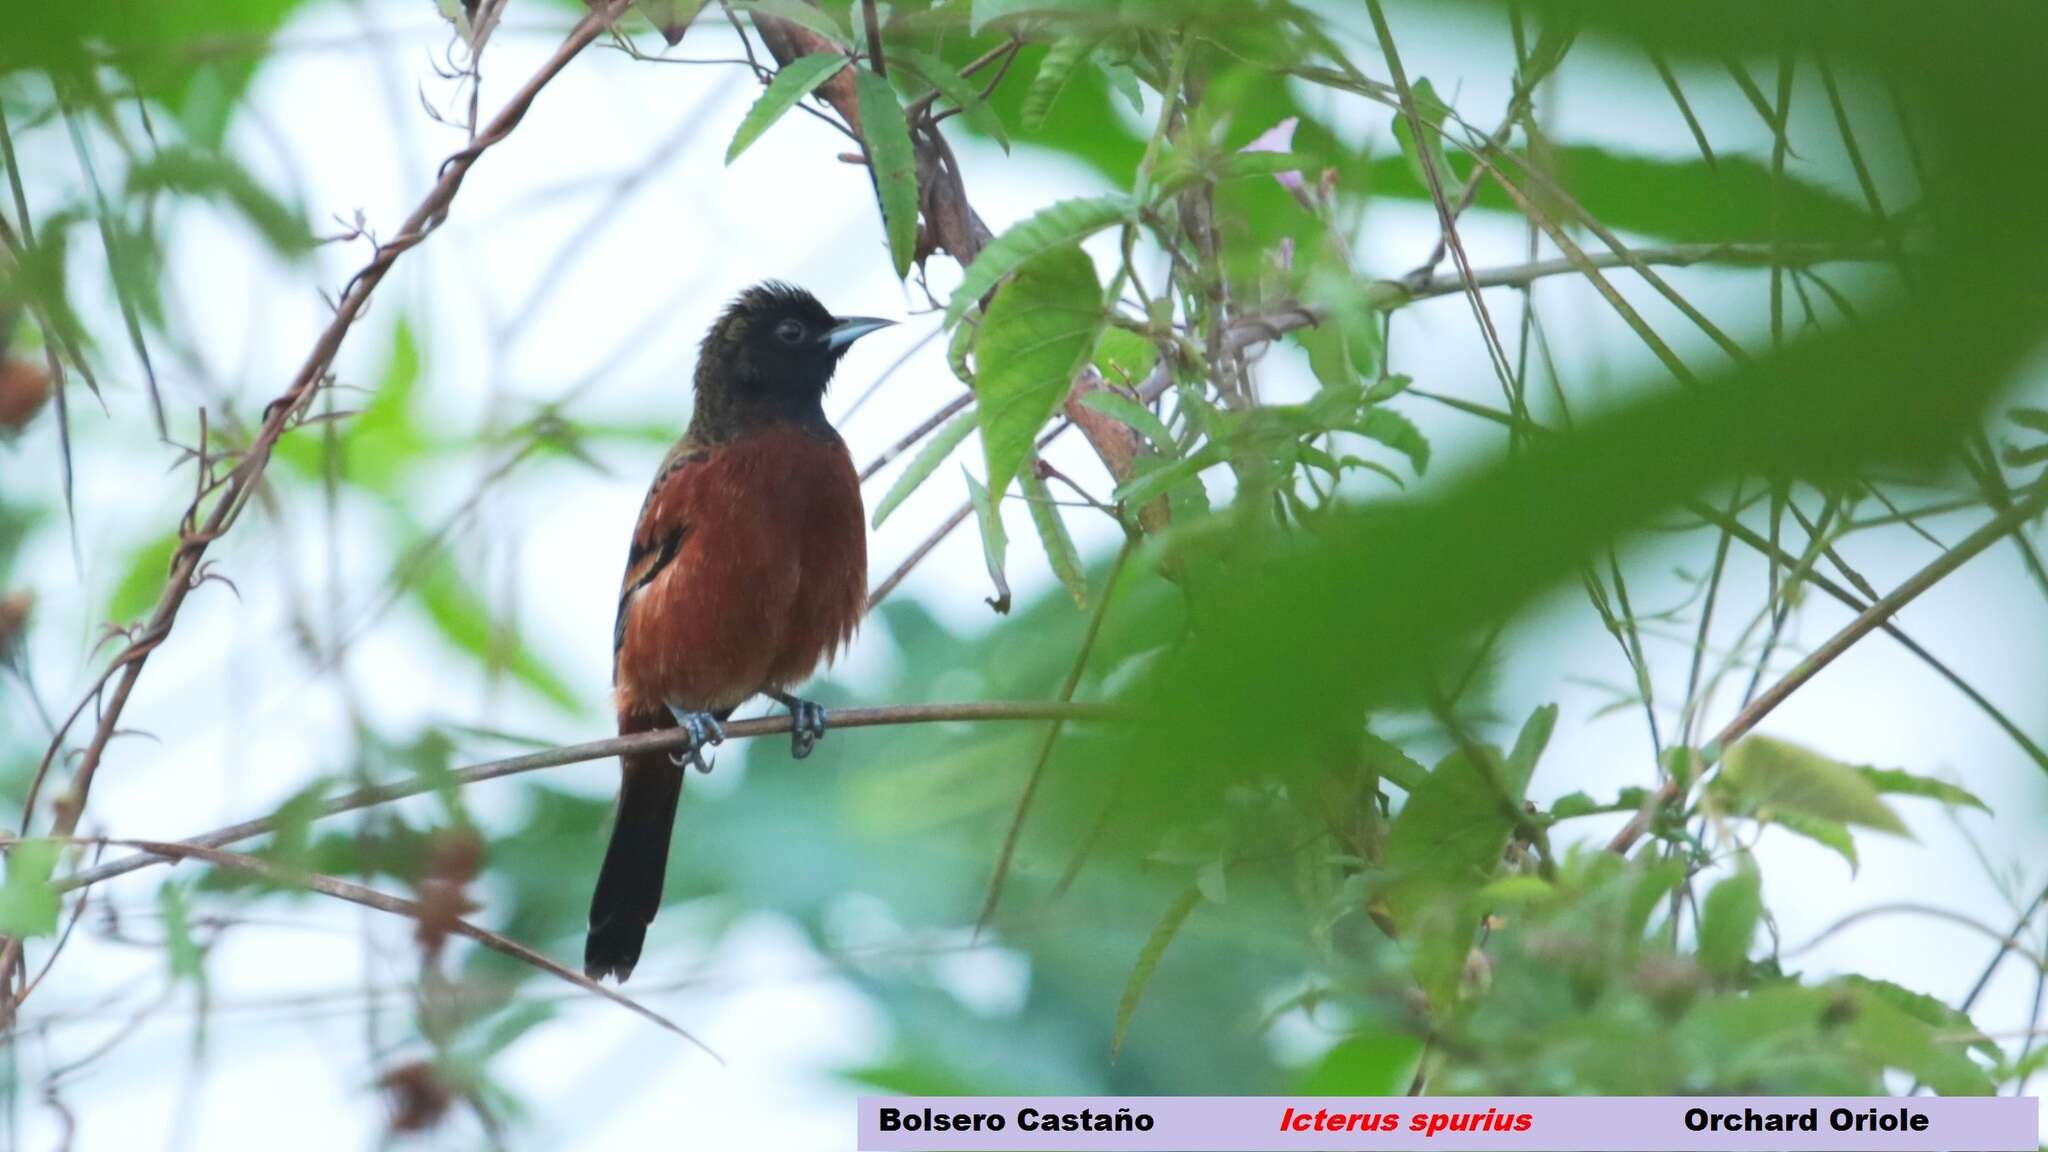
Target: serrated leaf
(29, 903)
(1052, 533)
(1120, 407)
(1061, 61)
(927, 461)
(1397, 432)
(1926, 1009)
(1038, 331)
(1728, 920)
(1830, 834)
(797, 79)
(1148, 961)
(995, 543)
(1899, 782)
(1056, 226)
(799, 13)
(1760, 777)
(894, 165)
(956, 89)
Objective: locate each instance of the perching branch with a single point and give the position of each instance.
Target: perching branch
(664, 741)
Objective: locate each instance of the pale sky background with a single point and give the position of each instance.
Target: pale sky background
(242, 723)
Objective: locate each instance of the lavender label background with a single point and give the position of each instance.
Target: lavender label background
(1562, 1123)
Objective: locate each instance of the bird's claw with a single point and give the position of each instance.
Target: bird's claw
(808, 723)
(704, 730)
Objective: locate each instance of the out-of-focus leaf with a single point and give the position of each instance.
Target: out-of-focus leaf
(1952, 1024)
(1830, 834)
(1162, 935)
(142, 581)
(1894, 1028)
(188, 172)
(1761, 776)
(1052, 533)
(894, 164)
(28, 903)
(1065, 56)
(1142, 419)
(799, 13)
(1369, 1064)
(1049, 230)
(1728, 920)
(957, 89)
(1124, 357)
(926, 462)
(995, 543)
(1434, 114)
(796, 80)
(1397, 432)
(457, 612)
(670, 17)
(1037, 333)
(179, 947)
(2034, 418)
(1448, 838)
(1899, 782)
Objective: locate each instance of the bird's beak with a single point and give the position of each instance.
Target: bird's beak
(844, 333)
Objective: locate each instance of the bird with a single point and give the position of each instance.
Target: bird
(747, 570)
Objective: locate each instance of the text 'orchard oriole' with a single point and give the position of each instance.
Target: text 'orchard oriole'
(748, 568)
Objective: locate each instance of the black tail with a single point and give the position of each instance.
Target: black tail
(629, 885)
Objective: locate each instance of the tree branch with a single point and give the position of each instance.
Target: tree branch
(669, 740)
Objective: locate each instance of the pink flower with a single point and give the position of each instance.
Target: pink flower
(1279, 138)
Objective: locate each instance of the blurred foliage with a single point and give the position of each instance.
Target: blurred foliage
(1306, 865)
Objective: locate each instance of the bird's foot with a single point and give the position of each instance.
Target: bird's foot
(808, 724)
(704, 730)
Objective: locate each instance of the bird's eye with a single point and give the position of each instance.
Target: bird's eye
(790, 331)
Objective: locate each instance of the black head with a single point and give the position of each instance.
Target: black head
(772, 353)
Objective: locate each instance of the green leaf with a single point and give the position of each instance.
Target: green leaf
(956, 89)
(458, 613)
(190, 172)
(1370, 1064)
(1898, 782)
(1058, 67)
(796, 80)
(1118, 406)
(1124, 357)
(29, 904)
(1052, 533)
(995, 543)
(926, 462)
(799, 13)
(1056, 226)
(1897, 1028)
(894, 163)
(143, 580)
(183, 952)
(1830, 834)
(1158, 475)
(1386, 759)
(1448, 838)
(2034, 418)
(1397, 432)
(1728, 920)
(1433, 113)
(1529, 744)
(1148, 961)
(670, 17)
(1037, 333)
(2017, 457)
(1926, 1009)
(1761, 777)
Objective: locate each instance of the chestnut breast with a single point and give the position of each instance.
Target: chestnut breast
(749, 569)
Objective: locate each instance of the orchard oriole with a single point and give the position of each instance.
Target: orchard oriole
(748, 568)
